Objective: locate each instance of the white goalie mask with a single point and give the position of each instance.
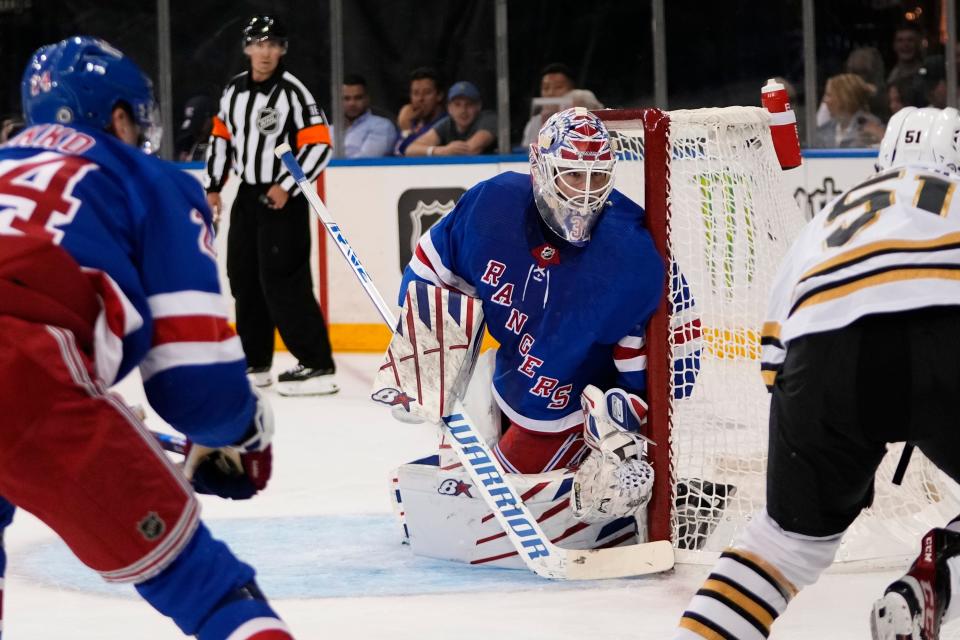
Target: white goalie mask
(571, 166)
(922, 136)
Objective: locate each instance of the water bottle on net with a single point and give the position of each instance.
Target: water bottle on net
(783, 124)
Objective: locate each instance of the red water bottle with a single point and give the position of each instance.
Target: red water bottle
(783, 124)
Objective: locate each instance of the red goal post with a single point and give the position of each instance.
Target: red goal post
(722, 218)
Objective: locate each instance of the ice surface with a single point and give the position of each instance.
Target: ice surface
(327, 551)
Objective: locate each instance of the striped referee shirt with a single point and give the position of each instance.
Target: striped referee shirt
(255, 117)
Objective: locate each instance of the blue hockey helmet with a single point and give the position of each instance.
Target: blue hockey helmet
(80, 80)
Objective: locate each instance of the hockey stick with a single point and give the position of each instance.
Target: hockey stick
(171, 443)
(540, 555)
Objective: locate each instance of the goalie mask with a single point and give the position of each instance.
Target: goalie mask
(922, 136)
(571, 166)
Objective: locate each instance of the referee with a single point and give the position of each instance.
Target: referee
(268, 245)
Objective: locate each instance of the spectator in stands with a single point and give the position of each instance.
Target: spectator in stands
(933, 76)
(851, 124)
(466, 131)
(556, 80)
(425, 108)
(908, 91)
(867, 63)
(191, 139)
(908, 45)
(368, 135)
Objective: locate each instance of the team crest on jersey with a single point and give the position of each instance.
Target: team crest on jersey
(268, 120)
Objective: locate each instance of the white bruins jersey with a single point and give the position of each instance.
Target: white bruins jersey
(892, 243)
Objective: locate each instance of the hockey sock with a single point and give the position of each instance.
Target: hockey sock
(244, 614)
(196, 582)
(754, 581)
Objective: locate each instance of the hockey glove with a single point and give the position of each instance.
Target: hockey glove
(236, 472)
(615, 481)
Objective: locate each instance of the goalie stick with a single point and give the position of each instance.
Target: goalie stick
(540, 554)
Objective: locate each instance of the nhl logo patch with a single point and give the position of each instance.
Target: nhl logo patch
(545, 255)
(152, 526)
(268, 120)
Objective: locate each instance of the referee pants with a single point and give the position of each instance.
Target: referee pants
(268, 265)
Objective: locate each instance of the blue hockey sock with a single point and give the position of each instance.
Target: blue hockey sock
(192, 588)
(244, 614)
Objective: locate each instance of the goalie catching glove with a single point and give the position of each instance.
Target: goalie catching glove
(614, 481)
(431, 355)
(238, 471)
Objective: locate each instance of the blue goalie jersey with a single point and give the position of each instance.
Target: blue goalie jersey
(141, 231)
(564, 316)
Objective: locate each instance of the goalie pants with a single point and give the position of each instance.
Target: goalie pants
(268, 264)
(841, 396)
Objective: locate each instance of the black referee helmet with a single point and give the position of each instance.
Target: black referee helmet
(263, 27)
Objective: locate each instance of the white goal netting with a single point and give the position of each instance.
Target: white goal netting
(729, 222)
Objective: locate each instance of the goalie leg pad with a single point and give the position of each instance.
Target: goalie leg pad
(432, 353)
(447, 519)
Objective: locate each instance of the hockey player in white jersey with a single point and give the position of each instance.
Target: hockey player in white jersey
(861, 348)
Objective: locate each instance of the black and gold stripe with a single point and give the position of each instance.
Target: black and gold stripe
(764, 569)
(741, 601)
(704, 627)
(883, 247)
(769, 374)
(893, 273)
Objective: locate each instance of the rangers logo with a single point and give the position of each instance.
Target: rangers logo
(152, 526)
(268, 120)
(452, 487)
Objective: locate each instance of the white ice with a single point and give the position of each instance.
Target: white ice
(327, 552)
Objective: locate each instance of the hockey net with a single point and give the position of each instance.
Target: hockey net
(720, 214)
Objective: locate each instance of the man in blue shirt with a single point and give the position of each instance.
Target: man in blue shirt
(368, 135)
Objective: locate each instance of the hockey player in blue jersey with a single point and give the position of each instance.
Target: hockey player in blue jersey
(567, 277)
(106, 264)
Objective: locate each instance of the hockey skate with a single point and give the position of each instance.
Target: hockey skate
(260, 376)
(912, 607)
(306, 381)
